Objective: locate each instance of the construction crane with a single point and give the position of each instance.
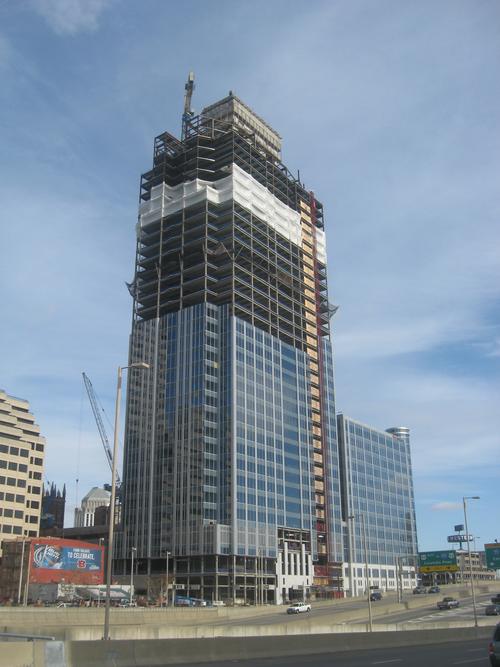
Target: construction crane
(188, 112)
(96, 409)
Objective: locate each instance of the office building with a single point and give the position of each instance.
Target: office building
(94, 508)
(230, 459)
(22, 453)
(377, 500)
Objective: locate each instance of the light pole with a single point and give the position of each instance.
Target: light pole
(133, 551)
(21, 569)
(363, 527)
(367, 579)
(166, 586)
(139, 364)
(465, 499)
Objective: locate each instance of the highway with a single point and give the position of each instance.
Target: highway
(471, 653)
(330, 613)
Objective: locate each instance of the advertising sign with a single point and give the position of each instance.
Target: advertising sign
(460, 538)
(492, 552)
(459, 528)
(70, 561)
(438, 561)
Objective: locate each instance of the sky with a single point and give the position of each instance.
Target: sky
(389, 109)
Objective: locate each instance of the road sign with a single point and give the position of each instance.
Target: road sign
(492, 556)
(438, 561)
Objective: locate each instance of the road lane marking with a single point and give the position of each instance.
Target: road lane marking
(466, 662)
(386, 662)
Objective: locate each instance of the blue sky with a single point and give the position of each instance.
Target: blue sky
(390, 111)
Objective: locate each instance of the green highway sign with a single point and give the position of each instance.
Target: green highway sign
(492, 556)
(438, 561)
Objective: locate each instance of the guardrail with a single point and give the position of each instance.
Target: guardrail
(28, 638)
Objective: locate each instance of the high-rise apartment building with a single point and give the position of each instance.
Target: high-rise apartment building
(378, 505)
(22, 453)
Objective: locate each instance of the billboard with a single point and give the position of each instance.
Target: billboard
(460, 538)
(70, 561)
(438, 561)
(492, 552)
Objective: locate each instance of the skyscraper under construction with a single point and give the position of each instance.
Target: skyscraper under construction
(231, 465)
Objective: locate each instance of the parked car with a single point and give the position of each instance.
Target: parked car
(492, 610)
(298, 608)
(375, 595)
(434, 589)
(494, 648)
(448, 603)
(496, 599)
(419, 590)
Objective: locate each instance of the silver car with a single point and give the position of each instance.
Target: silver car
(448, 603)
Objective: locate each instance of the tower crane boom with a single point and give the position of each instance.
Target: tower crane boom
(100, 425)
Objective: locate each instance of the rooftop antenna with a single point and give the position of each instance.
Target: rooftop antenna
(188, 112)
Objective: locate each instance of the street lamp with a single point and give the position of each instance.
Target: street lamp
(465, 499)
(167, 554)
(133, 551)
(365, 549)
(138, 364)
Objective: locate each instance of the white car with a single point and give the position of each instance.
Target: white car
(298, 608)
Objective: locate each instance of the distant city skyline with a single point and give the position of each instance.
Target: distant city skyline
(396, 119)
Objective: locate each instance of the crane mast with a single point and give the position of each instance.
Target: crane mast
(100, 425)
(188, 112)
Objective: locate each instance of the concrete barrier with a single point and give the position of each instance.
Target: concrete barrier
(178, 651)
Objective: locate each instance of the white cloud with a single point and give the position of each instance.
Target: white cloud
(446, 506)
(68, 17)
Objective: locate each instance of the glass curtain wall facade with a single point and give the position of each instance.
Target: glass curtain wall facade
(231, 455)
(377, 488)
